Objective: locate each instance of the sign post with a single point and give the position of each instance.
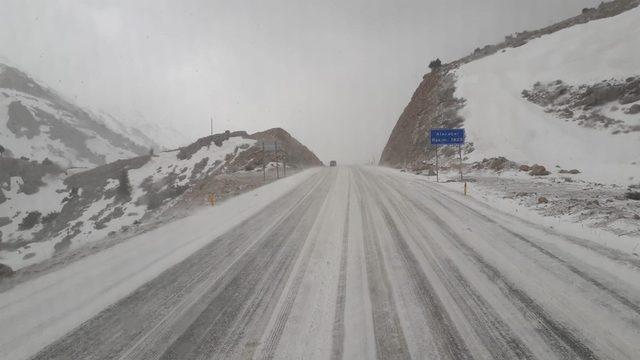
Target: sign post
(270, 147)
(284, 163)
(277, 163)
(447, 137)
(264, 166)
(437, 168)
(460, 152)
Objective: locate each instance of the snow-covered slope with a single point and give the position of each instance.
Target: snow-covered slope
(45, 209)
(142, 131)
(500, 122)
(68, 211)
(566, 97)
(37, 123)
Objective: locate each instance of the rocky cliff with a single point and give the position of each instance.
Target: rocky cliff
(438, 101)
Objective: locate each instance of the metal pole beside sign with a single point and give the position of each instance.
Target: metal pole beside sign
(447, 137)
(264, 165)
(460, 151)
(277, 164)
(437, 168)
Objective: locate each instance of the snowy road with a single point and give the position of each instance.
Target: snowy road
(365, 263)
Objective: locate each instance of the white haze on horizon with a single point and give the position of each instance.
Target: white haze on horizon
(336, 74)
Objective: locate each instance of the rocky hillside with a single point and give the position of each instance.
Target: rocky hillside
(566, 95)
(290, 150)
(36, 123)
(45, 210)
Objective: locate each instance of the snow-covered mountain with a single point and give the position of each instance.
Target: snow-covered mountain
(37, 123)
(566, 96)
(45, 209)
(132, 124)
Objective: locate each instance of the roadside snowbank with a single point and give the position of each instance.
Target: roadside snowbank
(495, 202)
(110, 275)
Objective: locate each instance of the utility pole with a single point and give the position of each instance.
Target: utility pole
(441, 125)
(284, 163)
(460, 150)
(264, 165)
(212, 125)
(277, 165)
(437, 168)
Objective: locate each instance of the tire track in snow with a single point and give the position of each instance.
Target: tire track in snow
(132, 320)
(277, 329)
(337, 346)
(633, 306)
(226, 284)
(494, 333)
(448, 340)
(562, 339)
(607, 252)
(256, 283)
(389, 337)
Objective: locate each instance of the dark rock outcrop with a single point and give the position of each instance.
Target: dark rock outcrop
(31, 173)
(538, 170)
(5, 271)
(634, 109)
(588, 100)
(432, 106)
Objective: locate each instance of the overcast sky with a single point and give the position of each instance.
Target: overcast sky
(335, 73)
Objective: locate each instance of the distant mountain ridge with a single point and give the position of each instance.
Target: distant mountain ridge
(37, 123)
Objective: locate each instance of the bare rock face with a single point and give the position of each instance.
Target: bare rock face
(296, 152)
(432, 106)
(31, 173)
(634, 109)
(5, 271)
(538, 170)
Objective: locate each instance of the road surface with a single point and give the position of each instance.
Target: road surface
(364, 263)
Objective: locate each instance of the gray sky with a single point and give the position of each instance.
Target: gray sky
(335, 73)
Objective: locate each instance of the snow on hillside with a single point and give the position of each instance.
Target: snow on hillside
(94, 209)
(34, 128)
(141, 131)
(121, 269)
(37, 123)
(500, 122)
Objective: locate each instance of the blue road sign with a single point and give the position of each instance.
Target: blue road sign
(447, 136)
